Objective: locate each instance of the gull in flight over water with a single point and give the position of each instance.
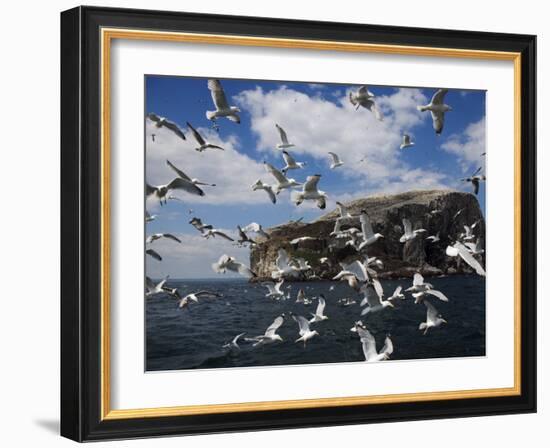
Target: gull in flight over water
(194, 297)
(369, 237)
(233, 344)
(302, 298)
(433, 318)
(275, 290)
(290, 163)
(227, 263)
(161, 191)
(318, 316)
(458, 249)
(437, 108)
(310, 192)
(468, 234)
(164, 122)
(475, 179)
(282, 181)
(336, 162)
(303, 330)
(406, 142)
(284, 139)
(203, 144)
(363, 97)
(373, 300)
(152, 288)
(154, 254)
(259, 185)
(223, 109)
(283, 266)
(157, 236)
(369, 345)
(270, 336)
(475, 248)
(409, 234)
(420, 288)
(397, 294)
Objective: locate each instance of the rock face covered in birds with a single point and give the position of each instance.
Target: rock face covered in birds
(438, 211)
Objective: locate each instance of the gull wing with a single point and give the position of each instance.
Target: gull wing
(253, 227)
(218, 95)
(153, 254)
(437, 294)
(289, 160)
(378, 287)
(335, 157)
(387, 349)
(373, 299)
(282, 259)
(280, 177)
(407, 226)
(352, 99)
(320, 306)
(477, 171)
(397, 291)
(153, 117)
(418, 279)
(371, 105)
(149, 284)
(181, 184)
(171, 237)
(366, 226)
(270, 287)
(149, 189)
(469, 258)
(179, 172)
(368, 342)
(303, 324)
(342, 210)
(241, 269)
(475, 183)
(205, 293)
(432, 313)
(274, 326)
(196, 134)
(279, 284)
(174, 128)
(282, 134)
(222, 234)
(438, 119)
(271, 194)
(358, 269)
(310, 185)
(439, 96)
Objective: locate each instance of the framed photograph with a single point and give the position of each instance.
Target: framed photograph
(275, 224)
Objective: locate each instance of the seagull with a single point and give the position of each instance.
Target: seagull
(369, 237)
(475, 248)
(282, 181)
(459, 249)
(369, 345)
(375, 303)
(468, 234)
(184, 176)
(274, 289)
(227, 263)
(164, 122)
(172, 291)
(220, 102)
(345, 215)
(433, 318)
(149, 217)
(433, 238)
(290, 163)
(356, 324)
(475, 179)
(284, 139)
(194, 297)
(437, 108)
(409, 234)
(363, 97)
(301, 297)
(304, 330)
(244, 238)
(336, 162)
(216, 232)
(203, 144)
(198, 224)
(406, 142)
(310, 192)
(156, 236)
(270, 336)
(259, 185)
(283, 266)
(233, 344)
(152, 288)
(420, 288)
(153, 254)
(397, 294)
(161, 191)
(318, 316)
(257, 229)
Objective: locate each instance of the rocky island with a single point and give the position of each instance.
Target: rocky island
(440, 212)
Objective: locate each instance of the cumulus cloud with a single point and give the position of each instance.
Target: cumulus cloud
(468, 145)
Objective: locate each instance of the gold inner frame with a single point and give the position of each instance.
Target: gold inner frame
(107, 35)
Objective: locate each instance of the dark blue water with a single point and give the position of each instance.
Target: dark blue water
(192, 338)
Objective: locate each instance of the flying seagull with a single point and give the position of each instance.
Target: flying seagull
(475, 179)
(459, 249)
(310, 192)
(259, 185)
(318, 316)
(438, 109)
(336, 162)
(164, 122)
(220, 102)
(369, 237)
(406, 142)
(195, 296)
(363, 97)
(374, 302)
(290, 163)
(156, 236)
(149, 217)
(227, 263)
(233, 344)
(257, 229)
(270, 336)
(213, 233)
(433, 318)
(274, 289)
(184, 176)
(198, 224)
(409, 234)
(369, 345)
(303, 329)
(154, 254)
(244, 238)
(282, 181)
(203, 144)
(283, 267)
(433, 238)
(419, 288)
(161, 191)
(152, 288)
(284, 139)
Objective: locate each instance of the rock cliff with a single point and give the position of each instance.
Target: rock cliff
(434, 210)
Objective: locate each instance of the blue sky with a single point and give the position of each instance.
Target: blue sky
(318, 118)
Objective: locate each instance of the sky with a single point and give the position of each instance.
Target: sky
(318, 118)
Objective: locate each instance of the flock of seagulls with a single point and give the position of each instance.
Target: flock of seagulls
(361, 275)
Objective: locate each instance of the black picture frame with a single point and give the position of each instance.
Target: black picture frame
(81, 224)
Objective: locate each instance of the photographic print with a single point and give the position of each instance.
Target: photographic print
(307, 223)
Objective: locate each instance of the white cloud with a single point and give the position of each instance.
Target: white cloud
(232, 171)
(468, 145)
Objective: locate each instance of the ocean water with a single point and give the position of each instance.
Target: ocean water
(192, 338)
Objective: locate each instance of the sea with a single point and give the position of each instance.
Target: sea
(193, 337)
